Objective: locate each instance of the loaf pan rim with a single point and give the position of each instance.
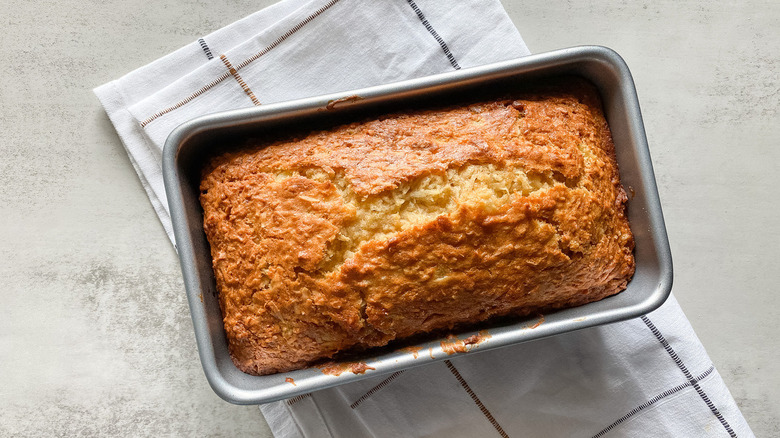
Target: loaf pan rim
(262, 389)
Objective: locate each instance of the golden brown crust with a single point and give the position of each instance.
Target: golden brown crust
(421, 221)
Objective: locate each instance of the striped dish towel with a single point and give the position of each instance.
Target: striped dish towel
(645, 377)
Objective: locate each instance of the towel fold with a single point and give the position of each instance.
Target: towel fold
(297, 49)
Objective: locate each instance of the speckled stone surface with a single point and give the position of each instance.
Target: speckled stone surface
(95, 336)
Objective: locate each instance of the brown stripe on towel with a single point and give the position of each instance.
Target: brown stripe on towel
(238, 78)
(289, 33)
(186, 100)
(246, 62)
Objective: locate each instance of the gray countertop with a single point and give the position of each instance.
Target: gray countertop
(95, 336)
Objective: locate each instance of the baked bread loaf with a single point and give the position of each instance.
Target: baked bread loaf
(353, 237)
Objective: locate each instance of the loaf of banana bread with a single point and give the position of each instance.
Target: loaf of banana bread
(414, 222)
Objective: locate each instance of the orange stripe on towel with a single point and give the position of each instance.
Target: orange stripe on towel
(240, 81)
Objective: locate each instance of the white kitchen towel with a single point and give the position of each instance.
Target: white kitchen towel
(645, 377)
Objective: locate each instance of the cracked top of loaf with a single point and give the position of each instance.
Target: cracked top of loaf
(414, 222)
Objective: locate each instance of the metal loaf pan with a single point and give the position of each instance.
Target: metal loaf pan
(191, 144)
